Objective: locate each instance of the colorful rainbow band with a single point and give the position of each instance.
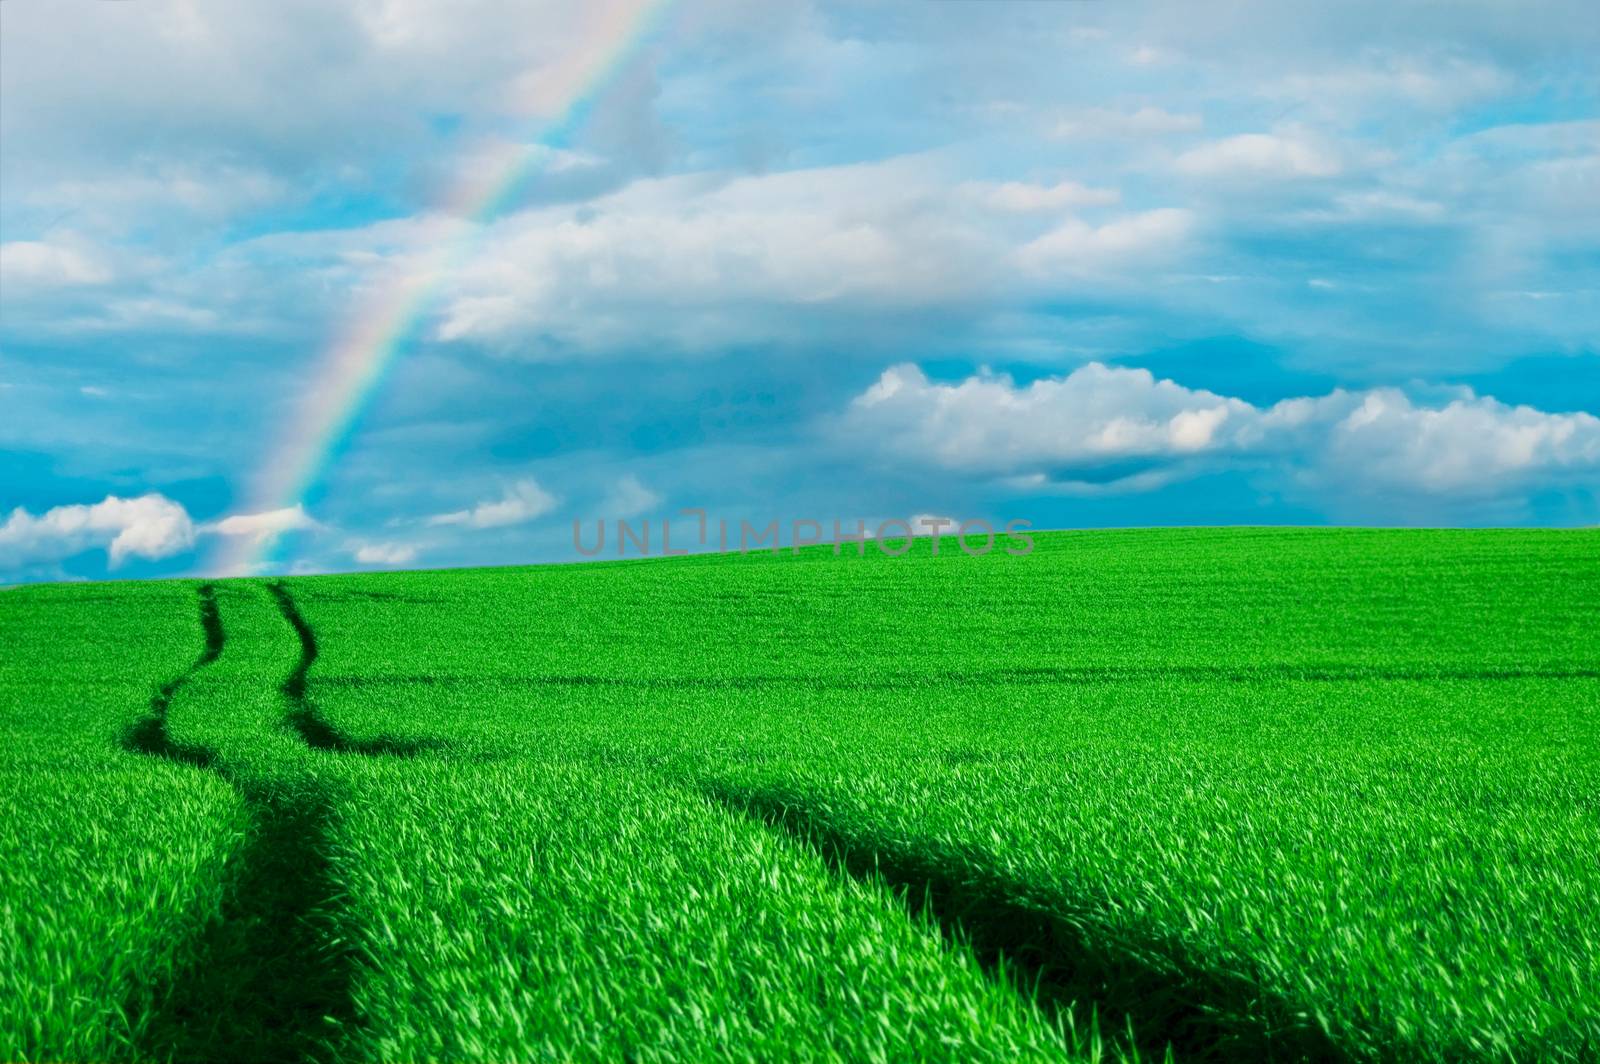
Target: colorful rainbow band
(352, 368)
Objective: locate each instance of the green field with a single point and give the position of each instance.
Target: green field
(1224, 794)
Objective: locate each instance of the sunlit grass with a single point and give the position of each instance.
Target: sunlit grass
(1229, 794)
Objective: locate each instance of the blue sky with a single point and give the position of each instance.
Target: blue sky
(1079, 263)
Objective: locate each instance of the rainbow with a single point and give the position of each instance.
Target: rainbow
(350, 371)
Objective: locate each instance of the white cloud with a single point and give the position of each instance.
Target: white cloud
(706, 259)
(1381, 205)
(1384, 82)
(1102, 122)
(687, 264)
(1471, 445)
(1150, 55)
(383, 553)
(1062, 430)
(628, 498)
(523, 501)
(220, 89)
(149, 526)
(201, 78)
(1078, 248)
(1021, 197)
(1096, 415)
(266, 524)
(44, 264)
(1270, 156)
(151, 189)
(482, 167)
(1534, 139)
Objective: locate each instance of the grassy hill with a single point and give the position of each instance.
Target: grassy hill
(1232, 794)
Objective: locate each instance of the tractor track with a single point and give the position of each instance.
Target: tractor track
(314, 729)
(269, 977)
(1151, 995)
(150, 734)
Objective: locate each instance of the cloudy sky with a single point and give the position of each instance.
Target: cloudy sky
(1081, 263)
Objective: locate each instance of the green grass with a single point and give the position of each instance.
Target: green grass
(110, 864)
(1226, 794)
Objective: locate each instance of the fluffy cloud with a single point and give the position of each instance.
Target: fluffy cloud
(628, 498)
(153, 191)
(523, 501)
(1101, 424)
(1021, 197)
(1097, 415)
(1077, 248)
(708, 257)
(1382, 82)
(45, 264)
(265, 525)
(1470, 445)
(383, 553)
(710, 261)
(1261, 155)
(691, 264)
(150, 526)
(190, 76)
